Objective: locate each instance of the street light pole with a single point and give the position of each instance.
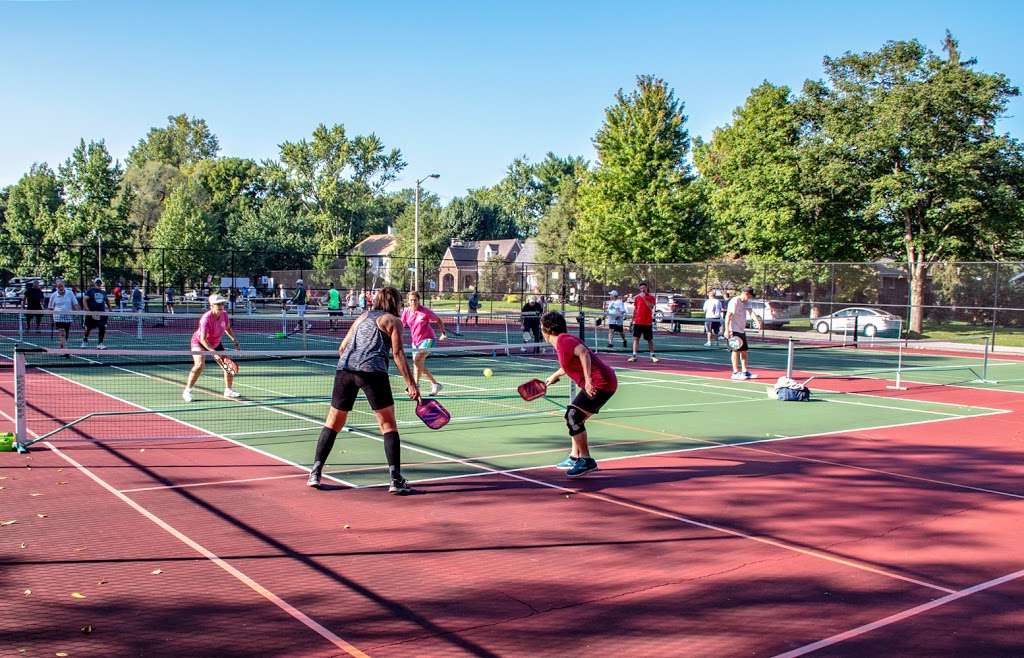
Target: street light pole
(416, 234)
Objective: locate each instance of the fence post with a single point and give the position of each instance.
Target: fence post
(995, 303)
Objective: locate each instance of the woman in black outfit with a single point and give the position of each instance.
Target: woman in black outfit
(363, 365)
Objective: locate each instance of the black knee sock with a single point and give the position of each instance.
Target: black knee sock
(393, 452)
(324, 444)
(103, 333)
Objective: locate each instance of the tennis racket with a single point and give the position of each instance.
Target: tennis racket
(227, 363)
(432, 413)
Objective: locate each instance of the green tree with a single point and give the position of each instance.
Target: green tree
(556, 227)
(340, 182)
(919, 132)
(32, 206)
(476, 217)
(186, 246)
(95, 208)
(183, 141)
(149, 185)
(640, 203)
(434, 239)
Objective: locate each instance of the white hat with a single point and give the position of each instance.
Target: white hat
(217, 298)
(613, 293)
(299, 282)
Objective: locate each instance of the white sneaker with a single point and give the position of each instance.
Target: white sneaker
(436, 388)
(85, 344)
(749, 375)
(654, 359)
(707, 344)
(738, 375)
(101, 346)
(186, 395)
(632, 359)
(231, 393)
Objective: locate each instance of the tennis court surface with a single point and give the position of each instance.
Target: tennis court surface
(869, 521)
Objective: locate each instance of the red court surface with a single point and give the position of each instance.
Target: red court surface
(900, 541)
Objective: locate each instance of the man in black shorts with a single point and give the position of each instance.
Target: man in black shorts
(97, 301)
(363, 366)
(736, 327)
(33, 303)
(62, 302)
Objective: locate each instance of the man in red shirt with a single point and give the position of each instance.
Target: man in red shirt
(595, 379)
(643, 321)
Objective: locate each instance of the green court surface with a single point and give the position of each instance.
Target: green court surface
(284, 403)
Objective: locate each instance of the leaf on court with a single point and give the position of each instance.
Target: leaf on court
(86, 629)
(77, 595)
(346, 526)
(101, 582)
(62, 483)
(3, 477)
(156, 572)
(142, 450)
(35, 494)
(61, 654)
(79, 549)
(11, 522)
(27, 592)
(42, 516)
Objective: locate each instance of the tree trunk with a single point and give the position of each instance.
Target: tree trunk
(918, 269)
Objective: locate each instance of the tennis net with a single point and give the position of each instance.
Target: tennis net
(283, 330)
(968, 360)
(130, 394)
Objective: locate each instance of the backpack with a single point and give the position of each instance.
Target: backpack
(788, 390)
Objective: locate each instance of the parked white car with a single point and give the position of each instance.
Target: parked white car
(869, 321)
(771, 314)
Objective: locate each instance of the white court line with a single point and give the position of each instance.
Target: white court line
(189, 425)
(207, 484)
(900, 616)
(288, 608)
(777, 543)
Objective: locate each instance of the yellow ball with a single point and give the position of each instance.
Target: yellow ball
(488, 372)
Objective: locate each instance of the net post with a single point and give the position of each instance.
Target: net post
(302, 328)
(581, 320)
(20, 403)
(899, 365)
(138, 328)
(856, 329)
(987, 347)
(284, 321)
(508, 339)
(790, 356)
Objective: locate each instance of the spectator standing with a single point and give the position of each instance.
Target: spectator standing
(350, 301)
(138, 299)
(299, 299)
(33, 303)
(532, 310)
(169, 299)
(712, 318)
(474, 307)
(333, 306)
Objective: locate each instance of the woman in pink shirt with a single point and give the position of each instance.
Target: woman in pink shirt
(417, 320)
(207, 338)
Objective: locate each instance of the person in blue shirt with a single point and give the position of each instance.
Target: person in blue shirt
(98, 302)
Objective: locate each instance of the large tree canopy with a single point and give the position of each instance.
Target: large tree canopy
(183, 141)
(640, 203)
(917, 132)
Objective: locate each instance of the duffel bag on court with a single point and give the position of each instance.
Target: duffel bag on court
(789, 390)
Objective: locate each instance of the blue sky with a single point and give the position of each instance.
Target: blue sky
(460, 87)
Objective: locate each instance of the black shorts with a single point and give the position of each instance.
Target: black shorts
(644, 331)
(616, 328)
(376, 386)
(334, 312)
(713, 326)
(63, 326)
(591, 405)
(743, 340)
(93, 323)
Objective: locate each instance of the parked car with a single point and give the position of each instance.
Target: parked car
(11, 297)
(771, 314)
(869, 321)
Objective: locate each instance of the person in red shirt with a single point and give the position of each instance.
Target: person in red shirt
(643, 321)
(595, 379)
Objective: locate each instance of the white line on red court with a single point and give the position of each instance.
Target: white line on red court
(900, 616)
